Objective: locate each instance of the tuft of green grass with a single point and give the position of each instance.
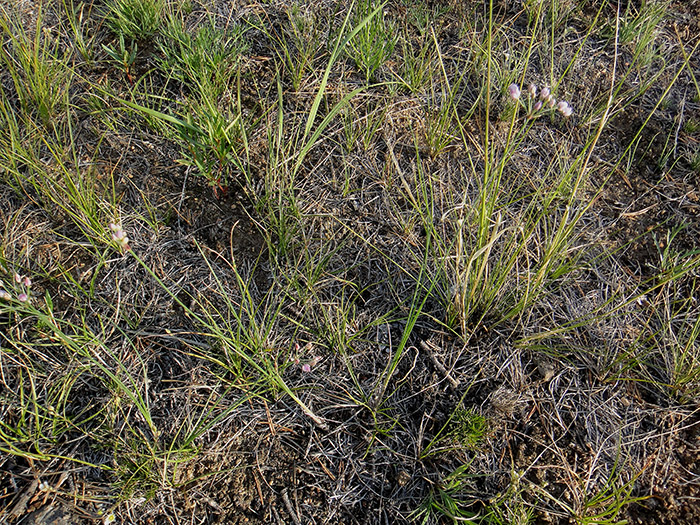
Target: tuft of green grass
(638, 29)
(77, 25)
(376, 39)
(40, 70)
(206, 58)
(135, 20)
(418, 64)
(300, 42)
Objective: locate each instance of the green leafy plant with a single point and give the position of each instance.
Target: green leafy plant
(124, 56)
(467, 427)
(213, 141)
(448, 499)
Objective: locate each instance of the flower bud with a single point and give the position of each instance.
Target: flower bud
(5, 295)
(537, 106)
(545, 93)
(533, 90)
(23, 297)
(27, 282)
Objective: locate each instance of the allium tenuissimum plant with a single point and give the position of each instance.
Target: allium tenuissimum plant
(538, 102)
(490, 249)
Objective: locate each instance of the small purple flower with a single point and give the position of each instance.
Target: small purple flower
(551, 102)
(5, 295)
(23, 297)
(27, 282)
(119, 236)
(564, 108)
(514, 91)
(545, 93)
(306, 367)
(537, 106)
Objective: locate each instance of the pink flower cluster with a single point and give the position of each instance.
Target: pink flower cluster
(535, 103)
(119, 236)
(305, 367)
(24, 284)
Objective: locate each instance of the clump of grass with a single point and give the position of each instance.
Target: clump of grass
(135, 20)
(204, 58)
(299, 43)
(638, 29)
(78, 28)
(468, 427)
(375, 41)
(40, 70)
(418, 64)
